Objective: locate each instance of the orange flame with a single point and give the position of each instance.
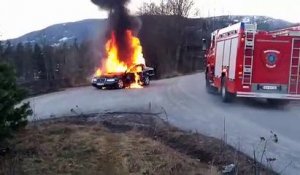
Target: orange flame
(137, 83)
(98, 73)
(113, 64)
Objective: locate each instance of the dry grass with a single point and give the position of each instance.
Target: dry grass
(118, 144)
(77, 148)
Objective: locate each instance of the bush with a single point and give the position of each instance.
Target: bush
(13, 115)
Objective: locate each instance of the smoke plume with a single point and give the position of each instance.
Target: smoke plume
(119, 22)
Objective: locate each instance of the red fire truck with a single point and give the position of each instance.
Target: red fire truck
(245, 62)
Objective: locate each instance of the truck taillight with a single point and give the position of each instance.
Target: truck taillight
(243, 38)
(240, 71)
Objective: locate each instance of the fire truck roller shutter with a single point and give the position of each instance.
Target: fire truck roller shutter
(233, 57)
(219, 58)
(227, 52)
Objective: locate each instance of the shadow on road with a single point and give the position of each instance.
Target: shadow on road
(253, 103)
(262, 104)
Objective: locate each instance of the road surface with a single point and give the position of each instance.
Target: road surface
(190, 107)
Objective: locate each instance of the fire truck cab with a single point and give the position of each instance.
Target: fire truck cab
(244, 62)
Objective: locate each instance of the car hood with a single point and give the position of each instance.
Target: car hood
(111, 75)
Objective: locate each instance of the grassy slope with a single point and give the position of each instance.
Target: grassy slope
(64, 148)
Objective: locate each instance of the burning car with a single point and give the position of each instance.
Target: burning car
(135, 77)
(122, 63)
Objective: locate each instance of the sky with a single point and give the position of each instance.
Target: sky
(18, 17)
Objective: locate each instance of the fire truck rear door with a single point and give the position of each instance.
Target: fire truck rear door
(271, 64)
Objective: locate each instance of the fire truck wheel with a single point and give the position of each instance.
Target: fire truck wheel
(226, 96)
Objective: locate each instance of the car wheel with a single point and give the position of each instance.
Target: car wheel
(147, 81)
(226, 96)
(120, 84)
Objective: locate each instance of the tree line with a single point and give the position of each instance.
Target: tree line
(49, 67)
(171, 40)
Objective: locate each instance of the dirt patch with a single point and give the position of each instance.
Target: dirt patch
(117, 144)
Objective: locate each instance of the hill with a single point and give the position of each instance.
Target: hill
(91, 28)
(65, 32)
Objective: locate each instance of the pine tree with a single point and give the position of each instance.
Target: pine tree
(28, 62)
(13, 115)
(8, 52)
(1, 51)
(39, 62)
(19, 60)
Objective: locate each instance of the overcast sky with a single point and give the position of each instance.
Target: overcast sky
(18, 17)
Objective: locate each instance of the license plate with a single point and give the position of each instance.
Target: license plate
(100, 84)
(269, 87)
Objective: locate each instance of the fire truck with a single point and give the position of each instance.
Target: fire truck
(245, 62)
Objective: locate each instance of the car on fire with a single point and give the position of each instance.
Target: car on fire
(122, 80)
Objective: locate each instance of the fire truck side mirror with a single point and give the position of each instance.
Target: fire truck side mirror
(204, 45)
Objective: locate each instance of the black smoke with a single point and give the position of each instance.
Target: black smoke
(119, 22)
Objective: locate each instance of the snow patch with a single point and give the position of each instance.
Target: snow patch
(55, 45)
(64, 39)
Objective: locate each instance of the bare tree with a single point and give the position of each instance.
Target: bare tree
(181, 8)
(149, 9)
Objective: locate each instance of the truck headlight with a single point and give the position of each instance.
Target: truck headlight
(94, 80)
(111, 80)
